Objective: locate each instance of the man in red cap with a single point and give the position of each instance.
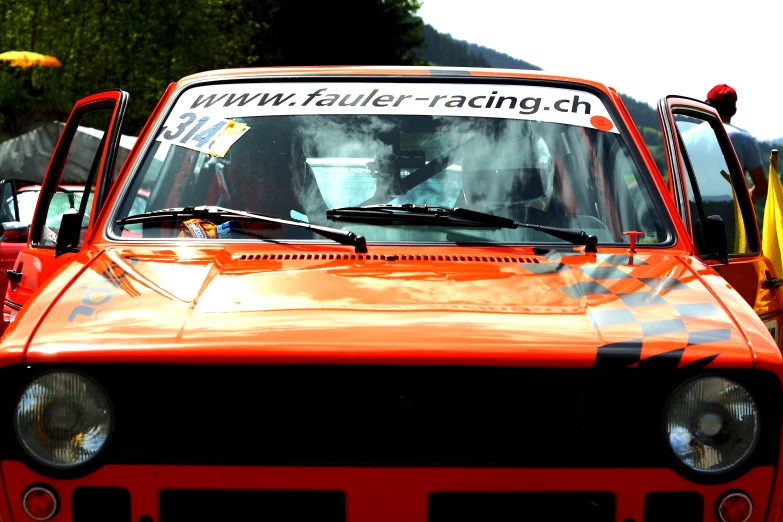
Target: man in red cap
(724, 99)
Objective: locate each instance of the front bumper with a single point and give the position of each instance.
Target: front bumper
(384, 494)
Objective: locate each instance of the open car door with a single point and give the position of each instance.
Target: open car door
(64, 218)
(711, 195)
(13, 231)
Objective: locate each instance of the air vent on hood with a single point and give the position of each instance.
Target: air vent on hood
(390, 257)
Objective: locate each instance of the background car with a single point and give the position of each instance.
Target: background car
(19, 201)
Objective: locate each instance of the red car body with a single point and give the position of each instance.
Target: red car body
(17, 232)
(401, 383)
(16, 238)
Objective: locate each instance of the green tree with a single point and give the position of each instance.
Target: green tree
(351, 32)
(143, 45)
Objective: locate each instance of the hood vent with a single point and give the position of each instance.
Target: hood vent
(389, 257)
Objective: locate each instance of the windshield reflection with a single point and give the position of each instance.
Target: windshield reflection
(297, 167)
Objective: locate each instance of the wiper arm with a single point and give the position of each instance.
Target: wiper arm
(577, 237)
(436, 215)
(424, 214)
(344, 237)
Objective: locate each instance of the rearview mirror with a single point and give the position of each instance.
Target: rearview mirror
(69, 233)
(14, 232)
(716, 239)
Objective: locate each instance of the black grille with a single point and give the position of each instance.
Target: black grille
(99, 504)
(393, 415)
(386, 416)
(505, 507)
(675, 506)
(280, 506)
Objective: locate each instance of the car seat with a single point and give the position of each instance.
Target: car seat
(505, 176)
(268, 174)
(521, 179)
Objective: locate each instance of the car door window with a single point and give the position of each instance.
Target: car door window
(711, 188)
(82, 157)
(26, 200)
(8, 210)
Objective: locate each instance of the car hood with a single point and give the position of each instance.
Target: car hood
(216, 305)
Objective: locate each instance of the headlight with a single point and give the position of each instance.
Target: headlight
(63, 419)
(711, 424)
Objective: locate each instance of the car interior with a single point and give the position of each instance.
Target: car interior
(532, 172)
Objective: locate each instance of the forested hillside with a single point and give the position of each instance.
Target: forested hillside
(500, 60)
(646, 119)
(442, 49)
(142, 45)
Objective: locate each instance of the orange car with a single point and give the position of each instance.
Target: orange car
(395, 294)
(19, 198)
(19, 201)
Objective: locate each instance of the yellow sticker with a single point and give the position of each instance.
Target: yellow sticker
(227, 136)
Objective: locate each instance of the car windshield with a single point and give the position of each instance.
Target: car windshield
(535, 154)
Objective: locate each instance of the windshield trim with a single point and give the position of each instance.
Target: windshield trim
(645, 173)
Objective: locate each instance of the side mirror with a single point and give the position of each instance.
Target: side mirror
(14, 232)
(716, 239)
(69, 234)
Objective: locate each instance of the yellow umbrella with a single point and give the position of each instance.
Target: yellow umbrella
(50, 61)
(28, 59)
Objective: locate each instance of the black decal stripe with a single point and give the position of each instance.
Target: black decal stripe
(585, 289)
(604, 272)
(697, 310)
(572, 254)
(709, 336)
(555, 255)
(663, 327)
(620, 259)
(641, 299)
(701, 363)
(663, 361)
(619, 355)
(663, 283)
(546, 268)
(611, 317)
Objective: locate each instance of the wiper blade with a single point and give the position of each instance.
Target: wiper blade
(343, 237)
(577, 237)
(437, 215)
(424, 214)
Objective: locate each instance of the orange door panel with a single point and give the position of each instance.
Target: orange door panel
(709, 189)
(63, 219)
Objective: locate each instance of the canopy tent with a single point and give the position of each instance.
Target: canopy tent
(27, 156)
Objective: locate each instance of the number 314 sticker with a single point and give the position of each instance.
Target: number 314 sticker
(208, 134)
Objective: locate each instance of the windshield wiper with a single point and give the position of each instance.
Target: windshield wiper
(435, 215)
(343, 237)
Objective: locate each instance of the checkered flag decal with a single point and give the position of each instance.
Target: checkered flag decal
(642, 319)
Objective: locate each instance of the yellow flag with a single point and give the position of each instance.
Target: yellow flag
(740, 237)
(773, 218)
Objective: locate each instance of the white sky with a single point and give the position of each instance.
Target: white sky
(646, 49)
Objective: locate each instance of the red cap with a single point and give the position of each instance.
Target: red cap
(722, 92)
